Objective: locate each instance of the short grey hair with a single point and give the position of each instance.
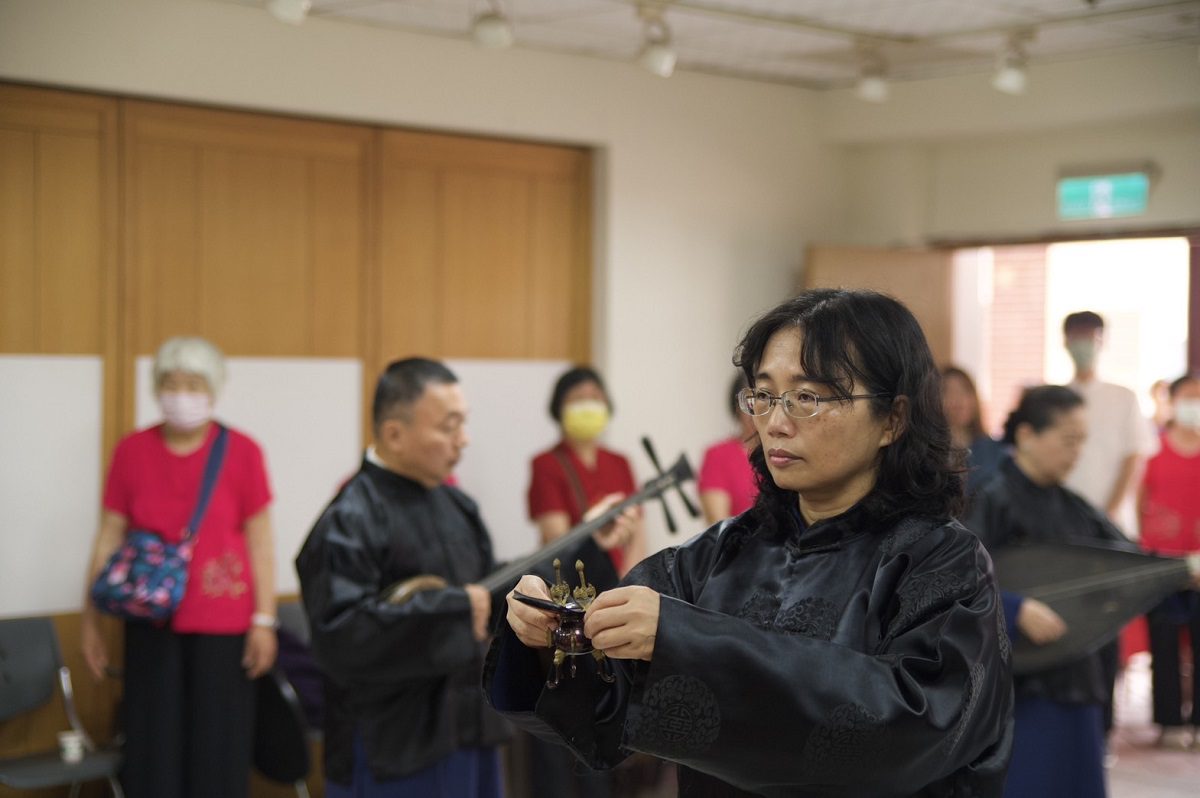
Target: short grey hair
(192, 356)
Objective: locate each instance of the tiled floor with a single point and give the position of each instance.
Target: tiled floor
(1142, 770)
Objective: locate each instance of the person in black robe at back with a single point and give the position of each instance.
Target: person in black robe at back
(404, 715)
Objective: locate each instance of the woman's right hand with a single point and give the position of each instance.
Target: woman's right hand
(529, 624)
(1039, 623)
(95, 653)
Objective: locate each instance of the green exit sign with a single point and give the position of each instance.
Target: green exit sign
(1103, 196)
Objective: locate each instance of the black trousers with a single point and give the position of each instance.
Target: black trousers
(1165, 679)
(188, 715)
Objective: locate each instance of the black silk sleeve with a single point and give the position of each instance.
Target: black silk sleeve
(778, 713)
(360, 639)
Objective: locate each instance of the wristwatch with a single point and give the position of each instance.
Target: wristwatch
(263, 620)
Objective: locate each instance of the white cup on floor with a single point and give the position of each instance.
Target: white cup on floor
(70, 746)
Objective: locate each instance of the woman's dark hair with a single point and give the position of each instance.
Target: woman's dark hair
(403, 382)
(736, 386)
(975, 426)
(870, 343)
(577, 375)
(1174, 387)
(1040, 407)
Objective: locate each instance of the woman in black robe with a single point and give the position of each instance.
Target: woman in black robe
(842, 637)
(1058, 749)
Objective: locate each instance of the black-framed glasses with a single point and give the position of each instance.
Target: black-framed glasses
(800, 403)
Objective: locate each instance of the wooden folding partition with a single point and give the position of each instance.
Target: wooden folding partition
(124, 222)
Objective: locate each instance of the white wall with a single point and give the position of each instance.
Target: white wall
(954, 159)
(709, 188)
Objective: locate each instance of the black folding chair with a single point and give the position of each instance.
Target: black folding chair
(281, 737)
(30, 662)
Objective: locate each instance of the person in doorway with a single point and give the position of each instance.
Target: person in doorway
(960, 400)
(188, 706)
(726, 480)
(1120, 438)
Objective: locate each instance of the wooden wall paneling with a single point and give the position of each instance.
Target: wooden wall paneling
(407, 302)
(163, 249)
(486, 282)
(269, 250)
(580, 329)
(256, 288)
(921, 279)
(338, 248)
(70, 244)
(57, 201)
(18, 244)
(551, 280)
(502, 262)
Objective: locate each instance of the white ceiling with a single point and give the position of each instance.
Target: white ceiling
(814, 43)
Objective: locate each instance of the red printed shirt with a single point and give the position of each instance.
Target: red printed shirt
(1171, 509)
(550, 489)
(156, 490)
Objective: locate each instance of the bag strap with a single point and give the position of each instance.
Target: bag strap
(212, 469)
(573, 479)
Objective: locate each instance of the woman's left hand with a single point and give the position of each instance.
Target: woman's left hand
(259, 654)
(623, 622)
(617, 533)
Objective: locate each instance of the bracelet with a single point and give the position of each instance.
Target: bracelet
(263, 620)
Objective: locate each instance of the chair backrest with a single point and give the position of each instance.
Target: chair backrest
(292, 618)
(29, 662)
(280, 732)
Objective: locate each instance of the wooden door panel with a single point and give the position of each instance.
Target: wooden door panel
(163, 257)
(255, 288)
(337, 249)
(18, 246)
(485, 236)
(407, 301)
(70, 238)
(551, 286)
(921, 279)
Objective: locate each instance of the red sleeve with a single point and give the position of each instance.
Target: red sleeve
(254, 489)
(711, 476)
(118, 496)
(548, 489)
(630, 487)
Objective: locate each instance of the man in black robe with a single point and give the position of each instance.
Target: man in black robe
(404, 712)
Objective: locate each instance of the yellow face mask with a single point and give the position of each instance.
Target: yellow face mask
(585, 420)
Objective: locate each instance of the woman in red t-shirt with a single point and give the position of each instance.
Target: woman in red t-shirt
(726, 481)
(578, 472)
(188, 706)
(1169, 505)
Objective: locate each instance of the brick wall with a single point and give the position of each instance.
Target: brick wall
(1018, 328)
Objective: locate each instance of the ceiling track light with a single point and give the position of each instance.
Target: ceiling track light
(1011, 75)
(292, 12)
(872, 86)
(492, 30)
(657, 55)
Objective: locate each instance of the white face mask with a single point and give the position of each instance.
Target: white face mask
(1187, 413)
(185, 410)
(1083, 351)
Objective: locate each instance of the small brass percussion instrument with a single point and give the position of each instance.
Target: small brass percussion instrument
(568, 639)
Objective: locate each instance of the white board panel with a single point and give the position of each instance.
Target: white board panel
(508, 424)
(50, 435)
(305, 413)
